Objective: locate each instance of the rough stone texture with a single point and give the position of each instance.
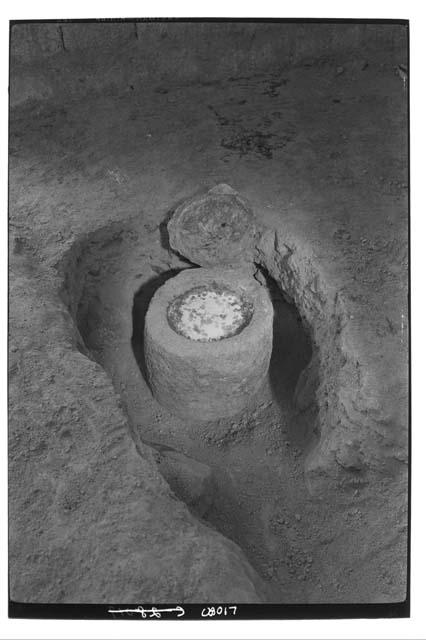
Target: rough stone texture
(362, 402)
(217, 228)
(202, 381)
(97, 141)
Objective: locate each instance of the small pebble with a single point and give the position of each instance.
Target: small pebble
(340, 70)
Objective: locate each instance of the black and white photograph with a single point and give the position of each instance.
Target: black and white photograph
(209, 319)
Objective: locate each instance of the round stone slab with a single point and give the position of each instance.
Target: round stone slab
(217, 228)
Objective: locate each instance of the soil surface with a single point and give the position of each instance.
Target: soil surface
(321, 155)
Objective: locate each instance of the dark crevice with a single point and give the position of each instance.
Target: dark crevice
(61, 35)
(292, 350)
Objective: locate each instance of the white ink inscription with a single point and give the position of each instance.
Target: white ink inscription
(211, 612)
(150, 613)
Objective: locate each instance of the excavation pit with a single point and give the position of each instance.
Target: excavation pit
(95, 207)
(208, 314)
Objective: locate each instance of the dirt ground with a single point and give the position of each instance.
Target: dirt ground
(320, 150)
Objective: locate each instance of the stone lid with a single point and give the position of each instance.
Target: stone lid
(214, 229)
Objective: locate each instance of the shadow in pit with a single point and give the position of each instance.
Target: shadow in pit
(141, 302)
(291, 348)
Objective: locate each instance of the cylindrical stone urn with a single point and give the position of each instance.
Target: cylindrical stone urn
(208, 342)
